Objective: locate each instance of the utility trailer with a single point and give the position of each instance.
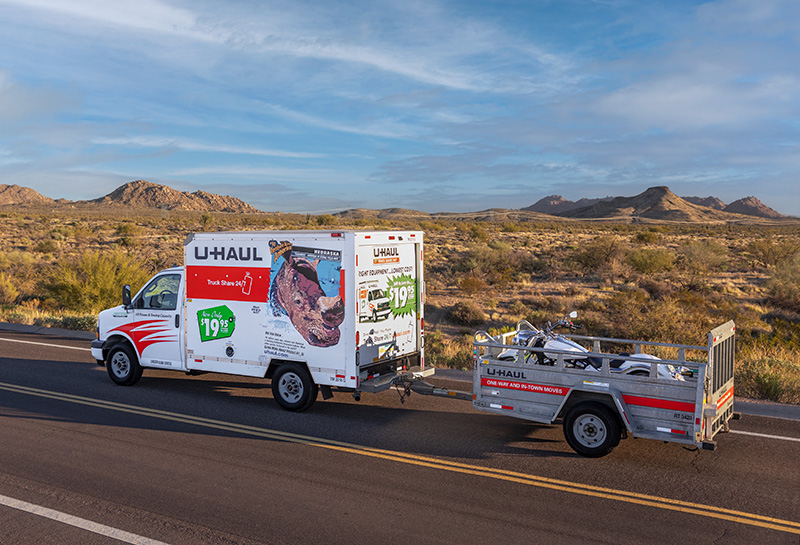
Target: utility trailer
(598, 407)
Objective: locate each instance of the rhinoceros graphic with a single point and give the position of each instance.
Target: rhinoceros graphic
(296, 291)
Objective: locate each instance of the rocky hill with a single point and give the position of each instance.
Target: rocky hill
(711, 202)
(656, 203)
(554, 204)
(14, 194)
(751, 206)
(142, 194)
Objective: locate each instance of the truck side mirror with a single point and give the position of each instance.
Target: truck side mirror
(126, 296)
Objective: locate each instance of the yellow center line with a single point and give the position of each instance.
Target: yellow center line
(434, 463)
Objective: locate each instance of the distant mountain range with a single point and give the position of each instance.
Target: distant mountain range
(137, 194)
(658, 203)
(654, 204)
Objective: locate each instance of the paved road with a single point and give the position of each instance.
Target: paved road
(212, 459)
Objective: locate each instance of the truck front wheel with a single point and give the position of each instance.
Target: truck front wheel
(123, 365)
(592, 429)
(293, 388)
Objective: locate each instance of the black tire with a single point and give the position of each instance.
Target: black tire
(123, 365)
(293, 388)
(592, 429)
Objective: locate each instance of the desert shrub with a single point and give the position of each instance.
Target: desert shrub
(327, 220)
(454, 353)
(646, 261)
(597, 254)
(466, 313)
(511, 227)
(518, 308)
(657, 289)
(499, 266)
(499, 245)
(784, 286)
(767, 253)
(46, 246)
(127, 229)
(768, 373)
(477, 232)
(8, 289)
(93, 280)
(704, 256)
(471, 284)
(680, 318)
(647, 237)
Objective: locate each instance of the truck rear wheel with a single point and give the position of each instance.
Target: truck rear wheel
(592, 429)
(123, 365)
(293, 388)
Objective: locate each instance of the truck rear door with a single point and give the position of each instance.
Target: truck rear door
(388, 285)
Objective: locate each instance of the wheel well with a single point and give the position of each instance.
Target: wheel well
(275, 363)
(111, 342)
(580, 397)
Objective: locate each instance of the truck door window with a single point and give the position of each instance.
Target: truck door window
(161, 293)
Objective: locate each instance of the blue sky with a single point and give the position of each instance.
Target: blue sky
(432, 105)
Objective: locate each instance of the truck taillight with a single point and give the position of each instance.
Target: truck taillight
(421, 325)
(358, 338)
(336, 234)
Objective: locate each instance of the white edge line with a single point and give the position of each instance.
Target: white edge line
(781, 437)
(46, 344)
(78, 522)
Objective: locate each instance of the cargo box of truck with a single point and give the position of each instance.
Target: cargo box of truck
(284, 305)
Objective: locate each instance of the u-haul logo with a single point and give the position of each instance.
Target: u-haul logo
(505, 373)
(221, 253)
(387, 254)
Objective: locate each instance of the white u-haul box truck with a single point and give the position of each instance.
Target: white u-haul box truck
(282, 305)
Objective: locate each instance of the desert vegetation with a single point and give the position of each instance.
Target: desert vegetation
(660, 281)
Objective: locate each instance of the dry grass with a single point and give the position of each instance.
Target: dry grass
(666, 282)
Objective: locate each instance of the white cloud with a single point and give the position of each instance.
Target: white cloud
(142, 15)
(189, 145)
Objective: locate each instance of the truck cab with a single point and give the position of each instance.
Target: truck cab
(147, 326)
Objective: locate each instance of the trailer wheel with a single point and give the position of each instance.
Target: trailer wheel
(592, 429)
(293, 388)
(123, 365)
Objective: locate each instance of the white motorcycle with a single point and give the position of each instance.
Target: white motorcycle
(577, 356)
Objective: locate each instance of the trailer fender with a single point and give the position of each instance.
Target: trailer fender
(600, 392)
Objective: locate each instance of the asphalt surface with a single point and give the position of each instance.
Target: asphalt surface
(212, 459)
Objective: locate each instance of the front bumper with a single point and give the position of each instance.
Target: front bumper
(97, 349)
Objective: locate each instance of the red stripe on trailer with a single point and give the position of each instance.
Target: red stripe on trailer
(659, 403)
(725, 397)
(670, 430)
(524, 386)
